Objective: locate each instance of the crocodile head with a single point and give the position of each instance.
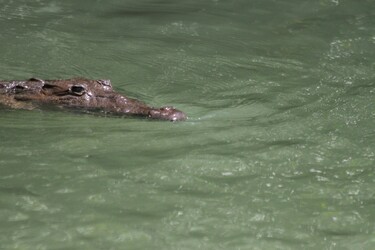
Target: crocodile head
(91, 95)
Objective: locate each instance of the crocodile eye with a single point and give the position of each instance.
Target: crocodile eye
(77, 89)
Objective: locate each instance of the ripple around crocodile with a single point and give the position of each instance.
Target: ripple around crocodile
(79, 93)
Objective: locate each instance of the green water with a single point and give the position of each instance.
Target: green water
(278, 151)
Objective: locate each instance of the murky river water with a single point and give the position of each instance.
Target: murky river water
(278, 152)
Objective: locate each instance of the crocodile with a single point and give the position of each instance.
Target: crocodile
(79, 94)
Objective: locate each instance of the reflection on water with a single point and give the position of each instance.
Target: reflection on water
(277, 153)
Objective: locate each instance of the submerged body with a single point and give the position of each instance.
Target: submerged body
(79, 93)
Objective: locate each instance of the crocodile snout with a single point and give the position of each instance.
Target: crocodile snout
(168, 113)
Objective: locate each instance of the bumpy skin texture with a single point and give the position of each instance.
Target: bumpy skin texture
(79, 93)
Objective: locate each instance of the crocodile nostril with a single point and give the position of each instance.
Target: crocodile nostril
(168, 113)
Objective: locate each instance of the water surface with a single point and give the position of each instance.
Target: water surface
(278, 151)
